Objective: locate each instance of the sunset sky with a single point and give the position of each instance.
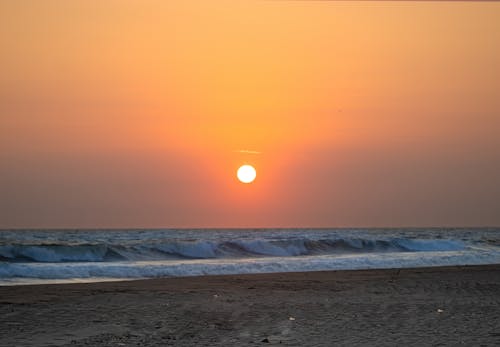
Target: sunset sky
(135, 113)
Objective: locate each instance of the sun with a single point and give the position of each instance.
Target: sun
(246, 173)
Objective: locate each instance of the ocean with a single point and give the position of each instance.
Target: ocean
(66, 256)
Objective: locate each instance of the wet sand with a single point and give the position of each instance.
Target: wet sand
(414, 307)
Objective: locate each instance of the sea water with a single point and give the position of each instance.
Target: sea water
(55, 256)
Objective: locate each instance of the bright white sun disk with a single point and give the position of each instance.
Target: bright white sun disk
(246, 173)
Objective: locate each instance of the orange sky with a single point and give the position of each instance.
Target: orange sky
(130, 113)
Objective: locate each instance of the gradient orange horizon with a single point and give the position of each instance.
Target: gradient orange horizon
(139, 113)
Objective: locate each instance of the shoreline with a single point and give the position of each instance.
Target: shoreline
(85, 281)
(457, 305)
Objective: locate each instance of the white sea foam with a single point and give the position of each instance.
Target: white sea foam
(154, 269)
(34, 256)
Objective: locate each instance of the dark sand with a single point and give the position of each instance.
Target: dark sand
(414, 307)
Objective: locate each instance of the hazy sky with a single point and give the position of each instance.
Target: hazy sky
(130, 113)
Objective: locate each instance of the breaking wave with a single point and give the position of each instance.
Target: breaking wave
(42, 256)
(202, 249)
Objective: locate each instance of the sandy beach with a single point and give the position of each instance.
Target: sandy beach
(432, 307)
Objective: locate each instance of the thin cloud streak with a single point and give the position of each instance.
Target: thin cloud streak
(246, 151)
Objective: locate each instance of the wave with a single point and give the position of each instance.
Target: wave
(203, 249)
(11, 272)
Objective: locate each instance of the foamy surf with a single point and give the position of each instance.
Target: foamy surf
(29, 257)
